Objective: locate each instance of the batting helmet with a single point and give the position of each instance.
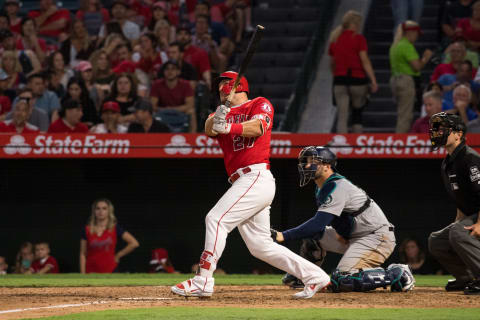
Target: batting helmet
(441, 125)
(312, 156)
(242, 85)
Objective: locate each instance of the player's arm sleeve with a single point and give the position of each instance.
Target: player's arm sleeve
(309, 228)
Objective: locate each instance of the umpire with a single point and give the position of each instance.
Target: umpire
(457, 247)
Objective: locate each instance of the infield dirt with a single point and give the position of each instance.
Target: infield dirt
(103, 298)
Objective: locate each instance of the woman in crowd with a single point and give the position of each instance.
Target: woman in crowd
(151, 60)
(102, 70)
(93, 16)
(124, 92)
(99, 239)
(85, 70)
(78, 45)
(29, 39)
(163, 35)
(411, 253)
(406, 65)
(469, 28)
(11, 8)
(24, 258)
(11, 65)
(76, 90)
(60, 73)
(352, 70)
(159, 12)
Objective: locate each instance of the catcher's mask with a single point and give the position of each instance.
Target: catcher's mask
(441, 125)
(242, 85)
(312, 156)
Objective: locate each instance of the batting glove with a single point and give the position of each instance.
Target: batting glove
(221, 126)
(221, 113)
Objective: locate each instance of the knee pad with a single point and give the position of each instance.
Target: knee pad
(401, 277)
(362, 281)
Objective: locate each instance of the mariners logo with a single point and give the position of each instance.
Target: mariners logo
(327, 201)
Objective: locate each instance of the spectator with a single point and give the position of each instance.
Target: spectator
(12, 67)
(145, 123)
(60, 72)
(99, 239)
(78, 45)
(453, 12)
(412, 254)
(19, 124)
(11, 8)
(404, 10)
(93, 16)
(29, 39)
(140, 12)
(159, 12)
(232, 15)
(5, 100)
(469, 28)
(187, 71)
(451, 81)
(44, 262)
(462, 104)
(119, 14)
(194, 55)
(122, 53)
(173, 93)
(24, 258)
(458, 53)
(52, 22)
(473, 126)
(103, 75)
(27, 58)
(405, 66)
(204, 40)
(69, 121)
(160, 262)
(124, 92)
(111, 120)
(84, 68)
(76, 90)
(151, 60)
(3, 266)
(433, 104)
(351, 68)
(163, 34)
(45, 99)
(37, 117)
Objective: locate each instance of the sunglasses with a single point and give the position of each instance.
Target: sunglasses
(27, 99)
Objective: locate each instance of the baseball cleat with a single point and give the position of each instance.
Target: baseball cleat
(310, 290)
(401, 277)
(195, 287)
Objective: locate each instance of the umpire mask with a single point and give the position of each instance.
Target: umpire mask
(441, 125)
(308, 160)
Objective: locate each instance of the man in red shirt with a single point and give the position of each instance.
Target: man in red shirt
(69, 121)
(194, 55)
(174, 93)
(433, 104)
(244, 133)
(51, 21)
(458, 52)
(44, 263)
(19, 124)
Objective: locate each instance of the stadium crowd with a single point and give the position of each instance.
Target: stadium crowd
(115, 66)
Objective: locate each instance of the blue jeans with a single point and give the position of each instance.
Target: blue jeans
(404, 10)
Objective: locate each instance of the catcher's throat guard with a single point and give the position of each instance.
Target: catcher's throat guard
(441, 125)
(308, 161)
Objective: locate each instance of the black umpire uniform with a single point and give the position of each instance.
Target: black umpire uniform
(453, 246)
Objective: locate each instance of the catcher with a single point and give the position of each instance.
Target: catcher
(348, 222)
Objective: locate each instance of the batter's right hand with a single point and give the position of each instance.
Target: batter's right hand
(221, 113)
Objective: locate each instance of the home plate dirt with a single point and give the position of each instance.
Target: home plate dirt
(18, 303)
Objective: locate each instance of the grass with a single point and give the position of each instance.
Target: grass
(174, 313)
(146, 279)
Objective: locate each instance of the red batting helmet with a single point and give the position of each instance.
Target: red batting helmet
(242, 85)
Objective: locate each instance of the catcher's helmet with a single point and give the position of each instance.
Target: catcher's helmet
(242, 85)
(313, 155)
(441, 125)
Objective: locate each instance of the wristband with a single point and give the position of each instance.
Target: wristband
(236, 129)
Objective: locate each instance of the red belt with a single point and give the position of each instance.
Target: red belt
(234, 177)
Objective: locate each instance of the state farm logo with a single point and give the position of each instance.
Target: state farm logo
(178, 144)
(17, 145)
(341, 142)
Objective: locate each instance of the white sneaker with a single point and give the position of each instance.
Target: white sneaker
(309, 291)
(195, 287)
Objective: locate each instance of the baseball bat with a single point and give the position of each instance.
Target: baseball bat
(252, 47)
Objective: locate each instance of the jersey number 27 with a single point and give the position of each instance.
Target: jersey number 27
(240, 143)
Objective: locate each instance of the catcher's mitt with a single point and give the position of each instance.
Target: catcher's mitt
(312, 250)
(273, 234)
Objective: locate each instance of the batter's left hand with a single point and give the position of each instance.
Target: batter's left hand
(221, 127)
(475, 228)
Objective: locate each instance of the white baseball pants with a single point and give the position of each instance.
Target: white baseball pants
(246, 205)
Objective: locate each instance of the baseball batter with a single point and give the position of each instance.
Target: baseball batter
(348, 222)
(243, 133)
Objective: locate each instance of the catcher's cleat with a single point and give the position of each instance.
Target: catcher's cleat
(292, 281)
(401, 277)
(196, 287)
(310, 290)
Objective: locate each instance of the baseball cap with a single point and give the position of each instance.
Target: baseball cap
(83, 66)
(125, 66)
(172, 62)
(406, 27)
(142, 104)
(5, 33)
(112, 106)
(70, 104)
(3, 75)
(160, 4)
